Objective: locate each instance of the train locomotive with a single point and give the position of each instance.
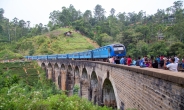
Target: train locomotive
(98, 54)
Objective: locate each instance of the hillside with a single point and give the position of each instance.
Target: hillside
(54, 42)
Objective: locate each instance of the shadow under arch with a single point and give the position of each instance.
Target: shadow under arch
(69, 81)
(108, 94)
(49, 71)
(43, 66)
(62, 67)
(76, 88)
(84, 84)
(93, 91)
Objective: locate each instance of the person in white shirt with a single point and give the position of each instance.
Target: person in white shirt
(172, 66)
(176, 59)
(112, 60)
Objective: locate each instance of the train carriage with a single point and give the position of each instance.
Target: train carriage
(42, 57)
(62, 56)
(81, 55)
(87, 54)
(70, 56)
(76, 55)
(102, 53)
(52, 57)
(33, 57)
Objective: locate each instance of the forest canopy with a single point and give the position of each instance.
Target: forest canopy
(142, 34)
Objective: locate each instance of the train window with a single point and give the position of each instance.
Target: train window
(118, 48)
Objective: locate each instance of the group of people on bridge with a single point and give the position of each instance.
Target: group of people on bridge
(162, 62)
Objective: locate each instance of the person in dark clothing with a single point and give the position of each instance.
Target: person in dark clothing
(161, 61)
(137, 62)
(155, 64)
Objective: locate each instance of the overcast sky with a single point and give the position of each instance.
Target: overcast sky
(37, 11)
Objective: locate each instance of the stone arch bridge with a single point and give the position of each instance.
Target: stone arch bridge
(118, 86)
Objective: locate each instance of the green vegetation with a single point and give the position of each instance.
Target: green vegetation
(54, 43)
(141, 34)
(23, 86)
(8, 54)
(49, 43)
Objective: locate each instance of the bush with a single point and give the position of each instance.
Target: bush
(39, 95)
(31, 52)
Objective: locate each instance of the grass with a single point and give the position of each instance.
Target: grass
(53, 42)
(47, 44)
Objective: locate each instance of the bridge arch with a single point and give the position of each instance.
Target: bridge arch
(43, 66)
(84, 84)
(62, 66)
(109, 77)
(57, 76)
(76, 80)
(49, 71)
(93, 88)
(108, 94)
(76, 75)
(84, 74)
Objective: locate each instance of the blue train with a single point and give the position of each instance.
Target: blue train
(98, 54)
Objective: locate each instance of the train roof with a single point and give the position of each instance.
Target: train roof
(110, 46)
(114, 45)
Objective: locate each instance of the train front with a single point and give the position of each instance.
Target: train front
(118, 50)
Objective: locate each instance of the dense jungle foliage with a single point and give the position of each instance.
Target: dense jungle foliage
(142, 34)
(23, 86)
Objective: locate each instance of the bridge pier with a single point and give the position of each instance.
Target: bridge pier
(57, 74)
(63, 80)
(49, 71)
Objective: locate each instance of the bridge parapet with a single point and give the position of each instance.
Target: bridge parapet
(122, 86)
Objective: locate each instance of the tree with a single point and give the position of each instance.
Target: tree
(98, 38)
(28, 24)
(106, 39)
(178, 5)
(112, 12)
(87, 15)
(122, 17)
(54, 17)
(144, 30)
(158, 48)
(142, 48)
(1, 19)
(31, 52)
(176, 48)
(99, 12)
(1, 14)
